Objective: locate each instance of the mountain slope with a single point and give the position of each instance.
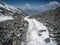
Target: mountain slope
(52, 20)
(12, 26)
(37, 33)
(4, 6)
(8, 10)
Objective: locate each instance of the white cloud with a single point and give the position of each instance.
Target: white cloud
(53, 3)
(43, 7)
(27, 4)
(48, 6)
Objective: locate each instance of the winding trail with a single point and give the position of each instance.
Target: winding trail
(35, 28)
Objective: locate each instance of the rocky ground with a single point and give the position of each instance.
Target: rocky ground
(52, 20)
(13, 29)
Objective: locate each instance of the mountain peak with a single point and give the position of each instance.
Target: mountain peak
(8, 8)
(3, 3)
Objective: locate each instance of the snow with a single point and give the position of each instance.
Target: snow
(1, 5)
(4, 18)
(32, 37)
(9, 7)
(1, 10)
(18, 35)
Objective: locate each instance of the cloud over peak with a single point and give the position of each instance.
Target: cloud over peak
(53, 3)
(42, 7)
(50, 5)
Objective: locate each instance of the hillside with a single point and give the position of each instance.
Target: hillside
(52, 20)
(12, 29)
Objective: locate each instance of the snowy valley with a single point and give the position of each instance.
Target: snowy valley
(18, 28)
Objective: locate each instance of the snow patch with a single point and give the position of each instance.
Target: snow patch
(4, 18)
(37, 33)
(9, 7)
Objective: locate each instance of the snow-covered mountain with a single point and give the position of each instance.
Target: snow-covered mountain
(11, 19)
(7, 10)
(38, 9)
(31, 11)
(4, 6)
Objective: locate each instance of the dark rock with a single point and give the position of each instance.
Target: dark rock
(47, 40)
